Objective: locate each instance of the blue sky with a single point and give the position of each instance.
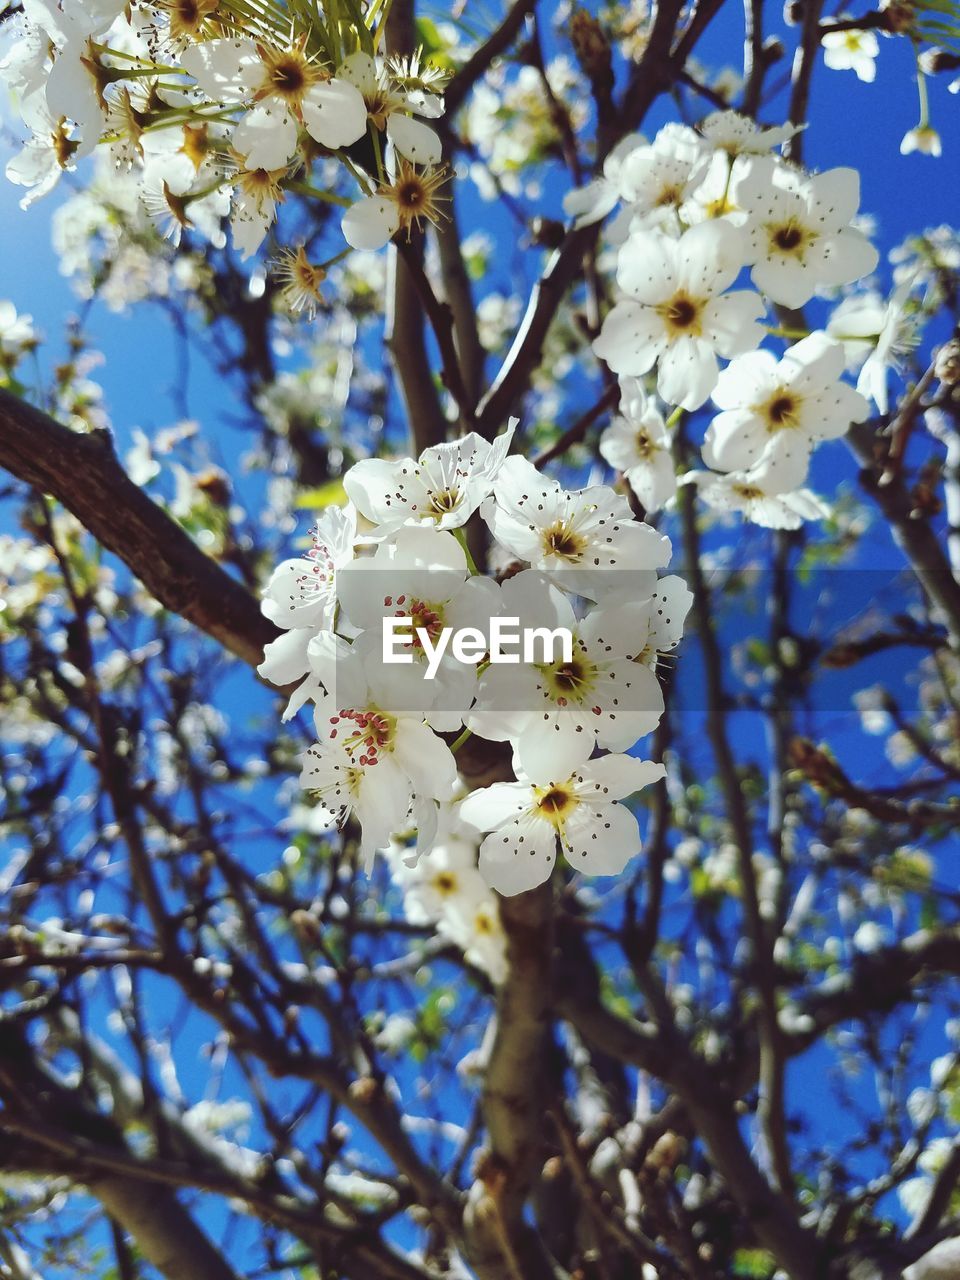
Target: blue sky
(854, 124)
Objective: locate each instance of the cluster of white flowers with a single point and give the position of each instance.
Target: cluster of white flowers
(18, 338)
(217, 106)
(698, 209)
(398, 552)
(445, 889)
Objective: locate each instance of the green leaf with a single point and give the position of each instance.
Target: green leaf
(325, 495)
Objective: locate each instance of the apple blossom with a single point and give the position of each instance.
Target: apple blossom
(301, 597)
(877, 336)
(591, 203)
(923, 138)
(656, 179)
(768, 493)
(442, 489)
(738, 135)
(555, 712)
(799, 231)
(420, 578)
(357, 715)
(598, 835)
(637, 444)
(391, 108)
(411, 197)
(53, 148)
(678, 313)
(851, 50)
(579, 537)
(344, 786)
(766, 401)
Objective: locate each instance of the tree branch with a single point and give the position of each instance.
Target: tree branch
(83, 473)
(481, 59)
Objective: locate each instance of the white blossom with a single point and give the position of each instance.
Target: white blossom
(678, 313)
(442, 489)
(638, 444)
(851, 50)
(579, 537)
(525, 819)
(555, 711)
(766, 402)
(799, 230)
(738, 135)
(769, 493)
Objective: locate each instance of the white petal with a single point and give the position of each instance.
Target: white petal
(285, 659)
(630, 338)
(687, 373)
(369, 224)
(601, 841)
(647, 268)
(672, 601)
(549, 750)
(426, 759)
(615, 777)
(266, 136)
(335, 114)
(495, 806)
(519, 856)
(414, 139)
(360, 70)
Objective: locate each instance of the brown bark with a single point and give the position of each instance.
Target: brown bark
(83, 473)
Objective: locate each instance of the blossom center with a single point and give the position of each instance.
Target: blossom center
(189, 19)
(789, 237)
(443, 502)
(681, 315)
(483, 924)
(572, 680)
(782, 410)
(287, 77)
(748, 492)
(288, 73)
(645, 447)
(416, 195)
(555, 804)
(562, 540)
(423, 617)
(372, 733)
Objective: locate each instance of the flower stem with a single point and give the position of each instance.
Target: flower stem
(461, 537)
(778, 331)
(307, 189)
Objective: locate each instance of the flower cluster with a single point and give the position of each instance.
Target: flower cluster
(396, 558)
(698, 210)
(220, 106)
(445, 889)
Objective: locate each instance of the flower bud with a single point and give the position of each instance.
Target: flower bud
(364, 1090)
(665, 1152)
(547, 233)
(591, 48)
(793, 12)
(946, 366)
(899, 15)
